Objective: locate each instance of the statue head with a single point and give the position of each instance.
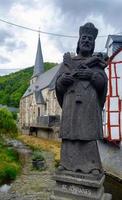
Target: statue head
(86, 42)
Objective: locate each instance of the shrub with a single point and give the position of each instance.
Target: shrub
(37, 155)
(14, 114)
(7, 123)
(8, 171)
(9, 164)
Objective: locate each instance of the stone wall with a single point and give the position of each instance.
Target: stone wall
(52, 134)
(30, 111)
(29, 108)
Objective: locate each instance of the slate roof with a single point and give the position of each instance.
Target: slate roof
(12, 109)
(39, 65)
(115, 38)
(47, 79)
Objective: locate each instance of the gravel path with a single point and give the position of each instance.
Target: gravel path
(32, 184)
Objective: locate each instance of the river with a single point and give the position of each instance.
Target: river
(113, 187)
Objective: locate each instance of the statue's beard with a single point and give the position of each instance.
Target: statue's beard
(85, 49)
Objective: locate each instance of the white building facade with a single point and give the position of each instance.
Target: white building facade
(113, 107)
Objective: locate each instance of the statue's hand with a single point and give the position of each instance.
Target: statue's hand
(67, 60)
(67, 79)
(102, 62)
(83, 74)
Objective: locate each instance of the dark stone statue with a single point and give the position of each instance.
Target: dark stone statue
(81, 89)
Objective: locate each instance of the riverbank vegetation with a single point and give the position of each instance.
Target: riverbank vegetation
(8, 125)
(9, 163)
(9, 160)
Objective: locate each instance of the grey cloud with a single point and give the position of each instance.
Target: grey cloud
(65, 44)
(7, 4)
(74, 13)
(15, 45)
(4, 60)
(80, 9)
(10, 42)
(4, 35)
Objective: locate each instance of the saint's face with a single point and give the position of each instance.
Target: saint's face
(86, 43)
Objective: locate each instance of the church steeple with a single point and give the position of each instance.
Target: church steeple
(39, 65)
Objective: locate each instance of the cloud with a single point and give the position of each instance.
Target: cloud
(9, 41)
(70, 15)
(4, 35)
(80, 9)
(4, 60)
(15, 45)
(7, 4)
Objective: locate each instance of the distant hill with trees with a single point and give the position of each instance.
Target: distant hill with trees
(13, 86)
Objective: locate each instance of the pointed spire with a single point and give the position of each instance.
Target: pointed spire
(39, 65)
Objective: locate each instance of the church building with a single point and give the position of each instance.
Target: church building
(39, 109)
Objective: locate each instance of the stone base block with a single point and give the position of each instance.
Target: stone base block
(77, 186)
(105, 197)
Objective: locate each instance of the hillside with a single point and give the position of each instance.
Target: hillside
(13, 86)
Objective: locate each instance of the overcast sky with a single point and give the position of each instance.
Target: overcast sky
(18, 46)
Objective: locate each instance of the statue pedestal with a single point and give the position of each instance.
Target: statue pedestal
(77, 186)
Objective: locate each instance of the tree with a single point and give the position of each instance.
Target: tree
(7, 123)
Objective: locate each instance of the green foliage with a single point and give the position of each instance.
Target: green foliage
(48, 65)
(8, 155)
(14, 114)
(37, 155)
(9, 164)
(13, 86)
(57, 163)
(7, 123)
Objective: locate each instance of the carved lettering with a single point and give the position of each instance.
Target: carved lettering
(76, 190)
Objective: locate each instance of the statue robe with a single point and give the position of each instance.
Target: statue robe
(81, 124)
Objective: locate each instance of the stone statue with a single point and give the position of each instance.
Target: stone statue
(81, 88)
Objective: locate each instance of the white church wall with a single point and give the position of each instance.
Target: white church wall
(52, 106)
(45, 93)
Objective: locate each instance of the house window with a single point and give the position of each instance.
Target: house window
(38, 111)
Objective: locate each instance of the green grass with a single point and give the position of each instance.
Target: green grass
(9, 164)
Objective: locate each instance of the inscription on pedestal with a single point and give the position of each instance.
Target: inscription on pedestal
(75, 190)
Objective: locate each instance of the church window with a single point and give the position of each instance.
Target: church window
(38, 111)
